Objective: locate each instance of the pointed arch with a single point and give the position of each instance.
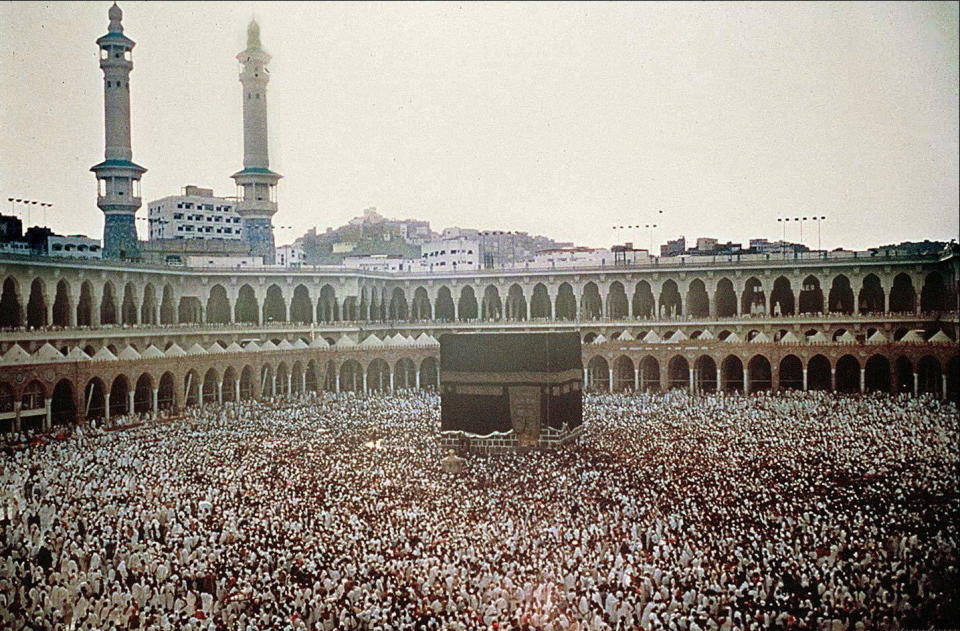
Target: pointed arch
(516, 307)
(840, 299)
(37, 304)
(566, 307)
(618, 306)
(760, 372)
(245, 309)
(63, 408)
(903, 297)
(62, 305)
(811, 296)
(933, 295)
(11, 310)
(301, 307)
(781, 297)
(148, 306)
(445, 309)
(327, 307)
(128, 307)
(274, 307)
(871, 295)
(791, 373)
(753, 300)
(218, 306)
(108, 305)
(143, 394)
(591, 304)
(726, 299)
(168, 310)
(491, 306)
(540, 306)
(420, 308)
(698, 303)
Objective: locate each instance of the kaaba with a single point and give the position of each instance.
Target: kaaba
(501, 391)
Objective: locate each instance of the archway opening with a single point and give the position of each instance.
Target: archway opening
(678, 373)
(491, 305)
(228, 388)
(63, 408)
(933, 296)
(37, 305)
(929, 376)
(848, 374)
(840, 299)
(781, 298)
(301, 308)
(218, 307)
(211, 387)
(191, 389)
(818, 373)
(698, 303)
(871, 295)
(877, 374)
(598, 374)
(810, 299)
(378, 376)
(903, 369)
(143, 394)
(761, 375)
(731, 370)
(406, 373)
(168, 312)
(705, 374)
(128, 308)
(902, 295)
(166, 392)
(445, 309)
(398, 305)
(246, 310)
(108, 306)
(753, 300)
(94, 398)
(420, 309)
(247, 390)
(649, 374)
(566, 307)
(190, 310)
(791, 373)
(643, 303)
(274, 308)
(540, 302)
(119, 397)
(726, 299)
(618, 306)
(516, 307)
(61, 304)
(429, 373)
(10, 309)
(467, 305)
(327, 306)
(623, 374)
(671, 304)
(281, 386)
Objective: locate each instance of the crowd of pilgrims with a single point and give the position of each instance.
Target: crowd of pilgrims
(692, 513)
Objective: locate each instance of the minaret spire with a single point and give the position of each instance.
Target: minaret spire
(256, 183)
(118, 177)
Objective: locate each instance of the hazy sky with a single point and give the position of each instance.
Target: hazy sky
(563, 119)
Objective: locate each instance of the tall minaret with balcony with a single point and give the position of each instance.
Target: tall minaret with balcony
(256, 183)
(118, 177)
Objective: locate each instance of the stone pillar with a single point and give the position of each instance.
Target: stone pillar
(856, 300)
(943, 386)
(438, 375)
(156, 313)
(746, 380)
(886, 300)
(49, 305)
(636, 379)
(456, 310)
(106, 410)
(712, 301)
(693, 383)
(719, 380)
(96, 296)
(236, 390)
(416, 378)
(391, 382)
(48, 418)
(16, 419)
(364, 381)
(863, 380)
(130, 402)
(303, 382)
(336, 380)
(610, 383)
(833, 379)
(586, 379)
(220, 392)
(156, 401)
(72, 312)
(289, 383)
(916, 384)
(804, 378)
(273, 386)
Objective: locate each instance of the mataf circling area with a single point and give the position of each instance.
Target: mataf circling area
(793, 511)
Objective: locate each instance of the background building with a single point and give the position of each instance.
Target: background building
(196, 214)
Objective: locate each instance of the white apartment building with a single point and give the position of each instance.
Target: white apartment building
(196, 214)
(74, 246)
(450, 254)
(290, 255)
(382, 263)
(571, 257)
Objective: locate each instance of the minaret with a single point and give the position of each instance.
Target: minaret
(256, 183)
(118, 178)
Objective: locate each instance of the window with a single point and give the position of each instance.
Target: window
(179, 205)
(178, 215)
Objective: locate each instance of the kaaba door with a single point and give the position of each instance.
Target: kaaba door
(525, 414)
